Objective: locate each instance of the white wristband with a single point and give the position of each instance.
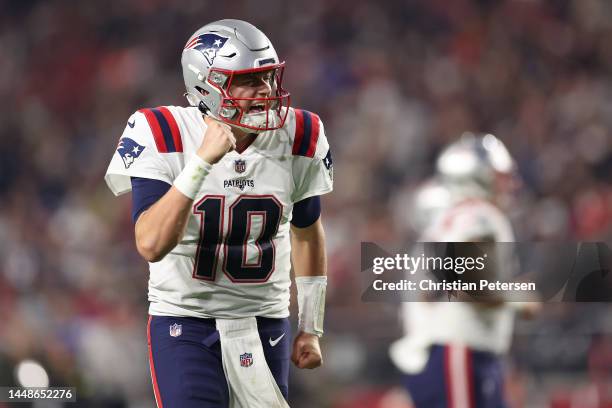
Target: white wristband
(192, 177)
(311, 303)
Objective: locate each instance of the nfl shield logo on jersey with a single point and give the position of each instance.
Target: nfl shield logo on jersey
(239, 166)
(176, 330)
(246, 359)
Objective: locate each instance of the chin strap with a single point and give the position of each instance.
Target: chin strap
(311, 303)
(203, 108)
(195, 101)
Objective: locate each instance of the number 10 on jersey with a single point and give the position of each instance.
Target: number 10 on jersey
(243, 213)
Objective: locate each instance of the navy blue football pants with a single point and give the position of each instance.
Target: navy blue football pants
(186, 367)
(458, 377)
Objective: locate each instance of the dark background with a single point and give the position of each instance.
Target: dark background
(393, 82)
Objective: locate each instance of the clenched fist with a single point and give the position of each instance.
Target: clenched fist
(218, 140)
(306, 351)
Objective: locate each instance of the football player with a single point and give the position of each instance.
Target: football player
(225, 195)
(450, 352)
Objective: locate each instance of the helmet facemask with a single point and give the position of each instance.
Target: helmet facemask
(260, 113)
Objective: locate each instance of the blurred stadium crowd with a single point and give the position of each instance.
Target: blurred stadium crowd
(393, 81)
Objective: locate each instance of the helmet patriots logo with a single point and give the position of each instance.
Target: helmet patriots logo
(129, 151)
(208, 44)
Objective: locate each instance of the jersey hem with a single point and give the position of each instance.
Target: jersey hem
(116, 185)
(280, 315)
(314, 193)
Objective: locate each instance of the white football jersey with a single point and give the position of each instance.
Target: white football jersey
(234, 258)
(469, 220)
(474, 325)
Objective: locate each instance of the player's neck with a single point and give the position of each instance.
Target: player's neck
(243, 139)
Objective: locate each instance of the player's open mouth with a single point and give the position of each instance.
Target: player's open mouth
(256, 109)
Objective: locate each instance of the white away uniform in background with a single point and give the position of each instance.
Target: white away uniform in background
(450, 349)
(467, 323)
(234, 258)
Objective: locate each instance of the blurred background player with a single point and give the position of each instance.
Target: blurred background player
(218, 191)
(450, 353)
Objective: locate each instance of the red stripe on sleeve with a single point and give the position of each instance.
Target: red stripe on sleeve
(156, 129)
(314, 126)
(299, 130)
(174, 129)
(152, 367)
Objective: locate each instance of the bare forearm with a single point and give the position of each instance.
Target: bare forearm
(160, 228)
(308, 250)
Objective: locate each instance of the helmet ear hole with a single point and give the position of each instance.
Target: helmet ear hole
(203, 91)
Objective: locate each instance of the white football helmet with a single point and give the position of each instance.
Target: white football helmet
(477, 163)
(427, 203)
(212, 58)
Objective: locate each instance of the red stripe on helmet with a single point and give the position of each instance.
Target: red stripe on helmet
(174, 129)
(192, 42)
(156, 129)
(299, 130)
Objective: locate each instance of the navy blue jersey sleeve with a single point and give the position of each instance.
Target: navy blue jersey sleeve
(306, 212)
(145, 193)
